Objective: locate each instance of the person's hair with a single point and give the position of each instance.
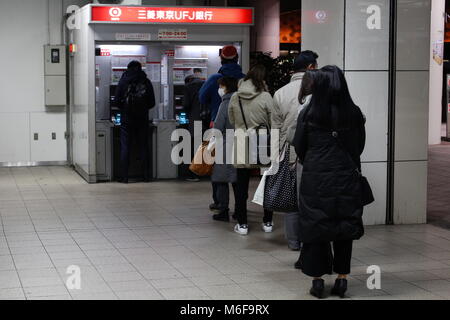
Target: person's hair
(227, 61)
(230, 83)
(197, 70)
(307, 85)
(330, 90)
(135, 66)
(304, 60)
(257, 74)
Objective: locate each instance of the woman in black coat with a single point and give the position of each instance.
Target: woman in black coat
(329, 141)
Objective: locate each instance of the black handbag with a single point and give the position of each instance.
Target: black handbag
(366, 191)
(280, 190)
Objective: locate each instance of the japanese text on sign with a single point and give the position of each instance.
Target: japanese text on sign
(176, 15)
(172, 15)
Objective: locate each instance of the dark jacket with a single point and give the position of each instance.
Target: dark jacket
(223, 172)
(191, 102)
(127, 78)
(330, 192)
(208, 93)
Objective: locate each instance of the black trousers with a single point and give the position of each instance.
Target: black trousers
(223, 195)
(317, 259)
(134, 133)
(214, 194)
(241, 191)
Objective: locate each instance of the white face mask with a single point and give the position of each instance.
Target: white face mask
(221, 92)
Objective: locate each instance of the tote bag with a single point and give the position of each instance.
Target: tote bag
(280, 190)
(199, 166)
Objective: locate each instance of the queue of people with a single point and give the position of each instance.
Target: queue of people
(318, 123)
(324, 130)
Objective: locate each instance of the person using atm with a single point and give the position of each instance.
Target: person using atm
(192, 106)
(134, 97)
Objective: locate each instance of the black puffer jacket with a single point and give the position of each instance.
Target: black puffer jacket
(330, 193)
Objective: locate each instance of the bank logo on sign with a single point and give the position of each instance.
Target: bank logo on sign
(115, 13)
(321, 16)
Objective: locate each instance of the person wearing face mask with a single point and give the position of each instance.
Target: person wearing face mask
(223, 173)
(209, 96)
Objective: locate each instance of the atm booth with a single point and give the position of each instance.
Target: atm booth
(170, 42)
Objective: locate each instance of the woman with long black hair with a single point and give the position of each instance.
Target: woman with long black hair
(329, 141)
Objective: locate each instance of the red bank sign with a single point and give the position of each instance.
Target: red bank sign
(173, 15)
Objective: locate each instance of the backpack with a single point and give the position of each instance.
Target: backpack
(137, 96)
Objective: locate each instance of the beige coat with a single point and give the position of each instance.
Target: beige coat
(257, 107)
(286, 109)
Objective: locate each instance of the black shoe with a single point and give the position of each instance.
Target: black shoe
(214, 207)
(340, 288)
(222, 216)
(318, 287)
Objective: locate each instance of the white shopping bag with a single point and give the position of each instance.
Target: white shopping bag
(258, 198)
(211, 144)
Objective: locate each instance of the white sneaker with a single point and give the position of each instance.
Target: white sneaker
(241, 229)
(267, 227)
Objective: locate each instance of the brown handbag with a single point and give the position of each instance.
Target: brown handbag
(199, 166)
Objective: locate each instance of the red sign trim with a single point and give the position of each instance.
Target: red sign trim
(172, 15)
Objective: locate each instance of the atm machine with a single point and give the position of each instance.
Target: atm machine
(106, 39)
(111, 62)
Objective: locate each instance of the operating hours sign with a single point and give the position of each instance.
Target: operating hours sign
(172, 34)
(172, 15)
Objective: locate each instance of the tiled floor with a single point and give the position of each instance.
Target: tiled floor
(157, 241)
(439, 185)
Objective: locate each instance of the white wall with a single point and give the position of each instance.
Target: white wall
(25, 27)
(436, 72)
(83, 148)
(412, 110)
